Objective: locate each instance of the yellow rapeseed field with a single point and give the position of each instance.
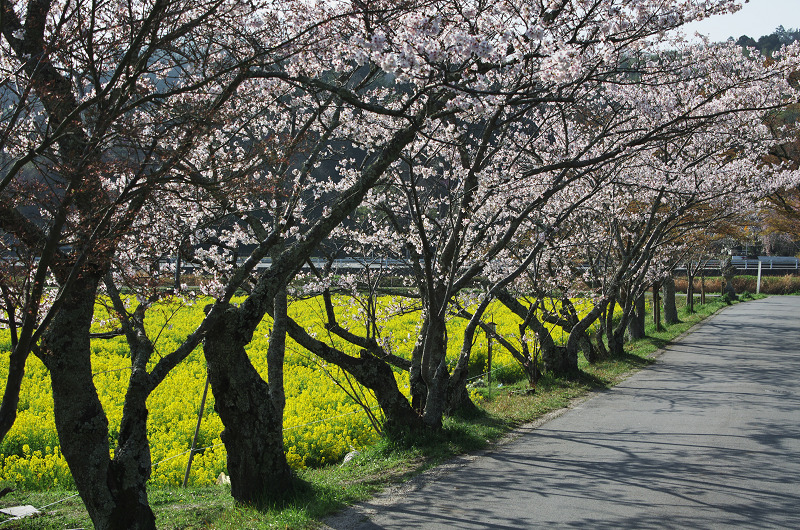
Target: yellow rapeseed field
(322, 422)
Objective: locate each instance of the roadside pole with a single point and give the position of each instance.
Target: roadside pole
(758, 281)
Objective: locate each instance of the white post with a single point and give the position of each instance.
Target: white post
(758, 282)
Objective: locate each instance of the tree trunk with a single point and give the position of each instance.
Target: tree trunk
(434, 368)
(131, 466)
(636, 322)
(114, 493)
(601, 353)
(690, 290)
(616, 336)
(616, 341)
(578, 338)
(529, 362)
(418, 388)
(370, 372)
(657, 306)
(728, 292)
(554, 358)
(276, 354)
(457, 395)
(670, 307)
(253, 433)
(16, 373)
(458, 400)
(599, 345)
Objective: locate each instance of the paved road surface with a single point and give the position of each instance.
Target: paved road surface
(708, 437)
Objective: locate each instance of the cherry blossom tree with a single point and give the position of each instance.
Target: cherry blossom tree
(109, 107)
(460, 196)
(350, 110)
(651, 208)
(178, 127)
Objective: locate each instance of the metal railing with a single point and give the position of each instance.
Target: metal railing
(768, 263)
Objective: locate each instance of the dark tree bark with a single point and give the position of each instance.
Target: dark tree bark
(458, 400)
(114, 492)
(657, 306)
(276, 353)
(554, 358)
(616, 341)
(457, 395)
(728, 270)
(636, 322)
(418, 389)
(670, 307)
(578, 338)
(251, 411)
(522, 355)
(434, 369)
(627, 320)
(573, 324)
(599, 345)
(369, 371)
(16, 372)
(616, 334)
(131, 466)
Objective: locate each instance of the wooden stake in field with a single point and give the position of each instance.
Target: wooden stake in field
(196, 434)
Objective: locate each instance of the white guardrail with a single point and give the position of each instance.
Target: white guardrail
(776, 263)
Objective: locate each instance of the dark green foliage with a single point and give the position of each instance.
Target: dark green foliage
(768, 44)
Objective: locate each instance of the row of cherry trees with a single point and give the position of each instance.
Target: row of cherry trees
(490, 146)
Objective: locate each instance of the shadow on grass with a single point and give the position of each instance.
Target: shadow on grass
(464, 431)
(659, 343)
(592, 381)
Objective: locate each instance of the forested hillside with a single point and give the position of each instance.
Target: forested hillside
(768, 44)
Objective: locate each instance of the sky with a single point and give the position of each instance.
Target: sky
(755, 19)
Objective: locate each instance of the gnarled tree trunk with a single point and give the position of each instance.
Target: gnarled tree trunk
(251, 413)
(616, 335)
(457, 395)
(578, 337)
(370, 372)
(554, 358)
(114, 492)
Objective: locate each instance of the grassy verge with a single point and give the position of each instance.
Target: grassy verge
(327, 490)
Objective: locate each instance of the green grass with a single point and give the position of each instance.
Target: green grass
(327, 490)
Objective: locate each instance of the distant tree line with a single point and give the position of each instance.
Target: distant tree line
(768, 44)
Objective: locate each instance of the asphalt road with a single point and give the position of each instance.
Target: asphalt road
(708, 437)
